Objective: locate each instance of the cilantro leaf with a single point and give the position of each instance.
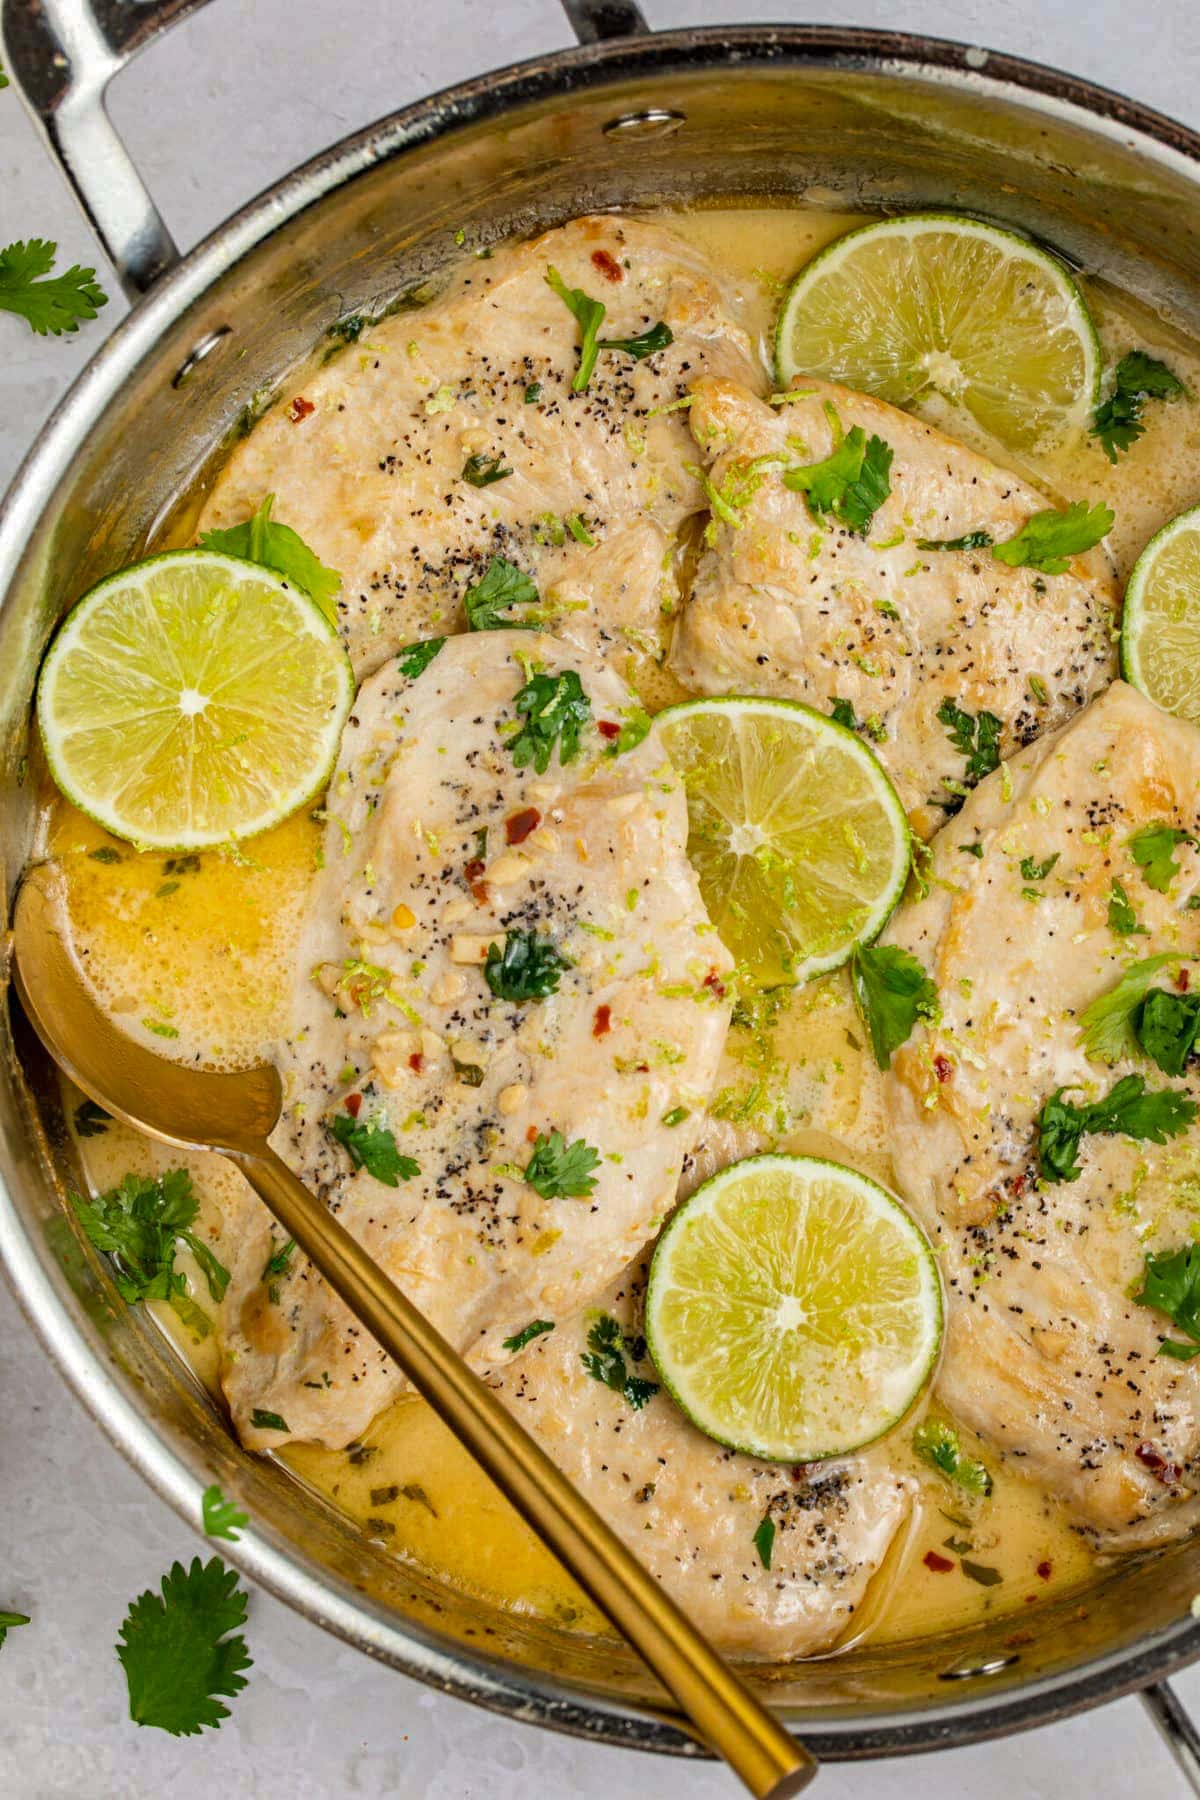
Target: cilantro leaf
(561, 1171)
(222, 1518)
(892, 991)
(373, 1148)
(528, 968)
(604, 1361)
(55, 304)
(535, 1329)
(8, 1621)
(260, 540)
(1033, 870)
(1152, 849)
(852, 482)
(1106, 1027)
(268, 1421)
(1122, 919)
(1171, 1285)
(90, 1120)
(1167, 1026)
(936, 1443)
(554, 708)
(481, 471)
(970, 540)
(647, 343)
(842, 713)
(980, 1572)
(414, 659)
(764, 1539)
(1048, 540)
(138, 1224)
(1137, 378)
(976, 738)
(589, 314)
(176, 1649)
(1128, 1110)
(501, 586)
(276, 1267)
(635, 728)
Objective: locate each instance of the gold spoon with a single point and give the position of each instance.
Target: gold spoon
(233, 1114)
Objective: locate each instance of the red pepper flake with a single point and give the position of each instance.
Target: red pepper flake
(353, 1105)
(479, 888)
(602, 1023)
(713, 980)
(1182, 980)
(1018, 1184)
(1044, 1570)
(518, 825)
(416, 1062)
(941, 1565)
(1166, 1472)
(608, 265)
(532, 1135)
(299, 408)
(608, 729)
(943, 1068)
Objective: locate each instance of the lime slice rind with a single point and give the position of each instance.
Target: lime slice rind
(797, 836)
(793, 1310)
(193, 700)
(1160, 627)
(942, 307)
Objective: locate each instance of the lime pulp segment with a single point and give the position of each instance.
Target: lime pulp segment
(940, 304)
(793, 1309)
(1160, 630)
(797, 836)
(193, 699)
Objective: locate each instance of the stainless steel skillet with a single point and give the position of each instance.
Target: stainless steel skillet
(828, 116)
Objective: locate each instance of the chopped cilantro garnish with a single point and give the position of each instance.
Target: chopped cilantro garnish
(55, 304)
(1166, 1026)
(260, 540)
(481, 471)
(373, 1148)
(1048, 540)
(970, 540)
(936, 1443)
(528, 968)
(1136, 379)
(268, 1421)
(138, 1225)
(555, 709)
(1106, 1027)
(604, 1361)
(1128, 1111)
(892, 991)
(558, 1170)
(535, 1329)
(589, 315)
(676, 1115)
(222, 1518)
(1171, 1285)
(276, 1267)
(635, 727)
(647, 343)
(176, 1649)
(1033, 870)
(414, 659)
(1122, 919)
(975, 738)
(489, 600)
(1152, 849)
(764, 1539)
(852, 482)
(842, 713)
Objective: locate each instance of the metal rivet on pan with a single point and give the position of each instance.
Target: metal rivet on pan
(969, 1671)
(655, 122)
(199, 351)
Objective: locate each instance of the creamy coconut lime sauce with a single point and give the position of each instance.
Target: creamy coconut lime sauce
(199, 950)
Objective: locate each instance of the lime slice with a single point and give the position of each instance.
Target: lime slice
(193, 699)
(1160, 630)
(939, 305)
(796, 833)
(793, 1309)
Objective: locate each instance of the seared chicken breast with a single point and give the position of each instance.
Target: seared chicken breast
(452, 433)
(689, 1507)
(790, 604)
(1047, 1352)
(502, 1135)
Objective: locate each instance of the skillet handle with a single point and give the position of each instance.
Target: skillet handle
(61, 55)
(596, 21)
(1177, 1727)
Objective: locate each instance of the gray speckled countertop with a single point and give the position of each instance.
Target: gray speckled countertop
(224, 105)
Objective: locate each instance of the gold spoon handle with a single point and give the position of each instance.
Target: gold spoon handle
(725, 1714)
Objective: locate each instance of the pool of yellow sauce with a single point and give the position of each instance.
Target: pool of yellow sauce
(196, 953)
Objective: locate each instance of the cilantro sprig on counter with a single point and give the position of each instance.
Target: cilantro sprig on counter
(373, 1147)
(138, 1225)
(1128, 1110)
(1137, 378)
(851, 483)
(892, 991)
(179, 1651)
(49, 304)
(222, 1518)
(261, 540)
(604, 1361)
(9, 1621)
(1171, 1285)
